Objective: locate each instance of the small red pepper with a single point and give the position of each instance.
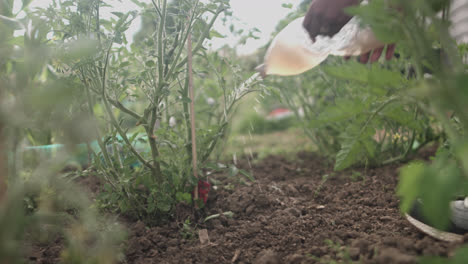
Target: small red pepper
(203, 189)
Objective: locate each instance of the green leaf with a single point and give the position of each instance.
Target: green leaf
(344, 109)
(436, 185)
(118, 14)
(227, 214)
(17, 41)
(409, 186)
(150, 63)
(185, 99)
(445, 174)
(11, 22)
(77, 50)
(215, 166)
(385, 78)
(461, 150)
(25, 4)
(123, 205)
(215, 34)
(132, 138)
(138, 3)
(398, 114)
(356, 144)
(461, 255)
(233, 171)
(348, 154)
(381, 81)
(385, 25)
(67, 3)
(212, 217)
(124, 64)
(122, 24)
(164, 205)
(370, 147)
(184, 197)
(352, 71)
(151, 204)
(247, 175)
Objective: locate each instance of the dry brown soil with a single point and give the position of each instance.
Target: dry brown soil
(290, 214)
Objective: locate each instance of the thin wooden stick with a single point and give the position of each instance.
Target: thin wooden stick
(192, 114)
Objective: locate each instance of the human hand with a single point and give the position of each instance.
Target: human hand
(327, 17)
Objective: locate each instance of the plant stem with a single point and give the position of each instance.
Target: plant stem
(101, 144)
(192, 114)
(151, 113)
(117, 154)
(187, 115)
(162, 24)
(122, 133)
(91, 114)
(394, 159)
(174, 64)
(413, 136)
(98, 25)
(114, 120)
(90, 150)
(202, 38)
(156, 168)
(124, 109)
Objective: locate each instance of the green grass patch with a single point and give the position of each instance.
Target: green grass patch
(256, 146)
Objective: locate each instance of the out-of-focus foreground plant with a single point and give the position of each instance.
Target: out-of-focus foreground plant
(40, 203)
(380, 113)
(383, 112)
(425, 35)
(421, 30)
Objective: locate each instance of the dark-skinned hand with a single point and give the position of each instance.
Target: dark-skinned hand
(327, 17)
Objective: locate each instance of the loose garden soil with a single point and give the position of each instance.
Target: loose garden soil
(297, 211)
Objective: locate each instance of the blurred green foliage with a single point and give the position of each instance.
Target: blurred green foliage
(418, 28)
(385, 112)
(35, 103)
(258, 124)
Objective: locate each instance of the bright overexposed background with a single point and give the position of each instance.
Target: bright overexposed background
(248, 14)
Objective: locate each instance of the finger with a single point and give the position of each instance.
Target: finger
(364, 58)
(312, 25)
(390, 51)
(376, 54)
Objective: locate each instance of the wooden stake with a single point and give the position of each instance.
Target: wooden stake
(192, 114)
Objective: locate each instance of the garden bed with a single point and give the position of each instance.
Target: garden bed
(292, 213)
